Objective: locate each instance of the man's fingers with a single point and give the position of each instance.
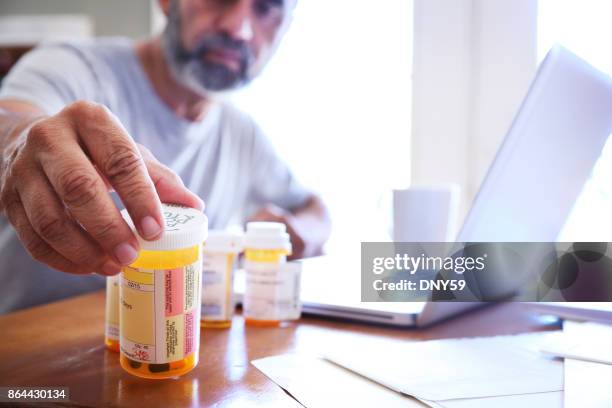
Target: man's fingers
(58, 229)
(34, 244)
(116, 156)
(81, 189)
(269, 213)
(170, 188)
(272, 213)
(266, 217)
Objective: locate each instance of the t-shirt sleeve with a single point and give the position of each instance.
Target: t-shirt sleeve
(50, 76)
(272, 179)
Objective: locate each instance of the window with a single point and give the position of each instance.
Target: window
(584, 27)
(336, 102)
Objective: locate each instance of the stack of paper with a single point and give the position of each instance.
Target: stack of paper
(503, 371)
(588, 368)
(586, 341)
(316, 383)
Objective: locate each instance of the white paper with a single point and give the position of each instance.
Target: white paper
(318, 383)
(540, 400)
(585, 341)
(452, 369)
(587, 384)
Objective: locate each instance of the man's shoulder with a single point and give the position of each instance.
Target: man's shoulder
(90, 49)
(56, 73)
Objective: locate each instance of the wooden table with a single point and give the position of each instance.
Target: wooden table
(61, 344)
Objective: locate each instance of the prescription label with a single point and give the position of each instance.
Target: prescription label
(217, 286)
(272, 291)
(157, 309)
(112, 308)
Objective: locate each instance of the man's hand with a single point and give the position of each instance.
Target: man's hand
(308, 226)
(273, 213)
(54, 186)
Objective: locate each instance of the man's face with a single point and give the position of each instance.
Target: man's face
(218, 45)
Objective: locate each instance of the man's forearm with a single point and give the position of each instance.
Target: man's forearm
(314, 225)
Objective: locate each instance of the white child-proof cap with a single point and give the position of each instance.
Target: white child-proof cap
(224, 241)
(183, 228)
(267, 235)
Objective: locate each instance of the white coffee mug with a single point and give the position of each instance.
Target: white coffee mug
(426, 213)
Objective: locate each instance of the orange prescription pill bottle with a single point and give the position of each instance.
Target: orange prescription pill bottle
(160, 298)
(219, 261)
(111, 330)
(272, 286)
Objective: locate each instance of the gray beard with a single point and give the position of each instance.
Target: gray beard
(192, 72)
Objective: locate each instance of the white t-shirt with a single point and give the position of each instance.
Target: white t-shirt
(225, 158)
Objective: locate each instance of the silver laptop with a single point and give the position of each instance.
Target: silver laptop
(527, 195)
(579, 311)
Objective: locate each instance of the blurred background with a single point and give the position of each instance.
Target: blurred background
(363, 97)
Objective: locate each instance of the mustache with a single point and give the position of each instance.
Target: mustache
(217, 42)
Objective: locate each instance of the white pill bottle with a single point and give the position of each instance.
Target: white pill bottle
(219, 260)
(272, 289)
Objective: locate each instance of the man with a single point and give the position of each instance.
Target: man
(78, 120)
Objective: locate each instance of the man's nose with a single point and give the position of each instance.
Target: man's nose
(236, 22)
